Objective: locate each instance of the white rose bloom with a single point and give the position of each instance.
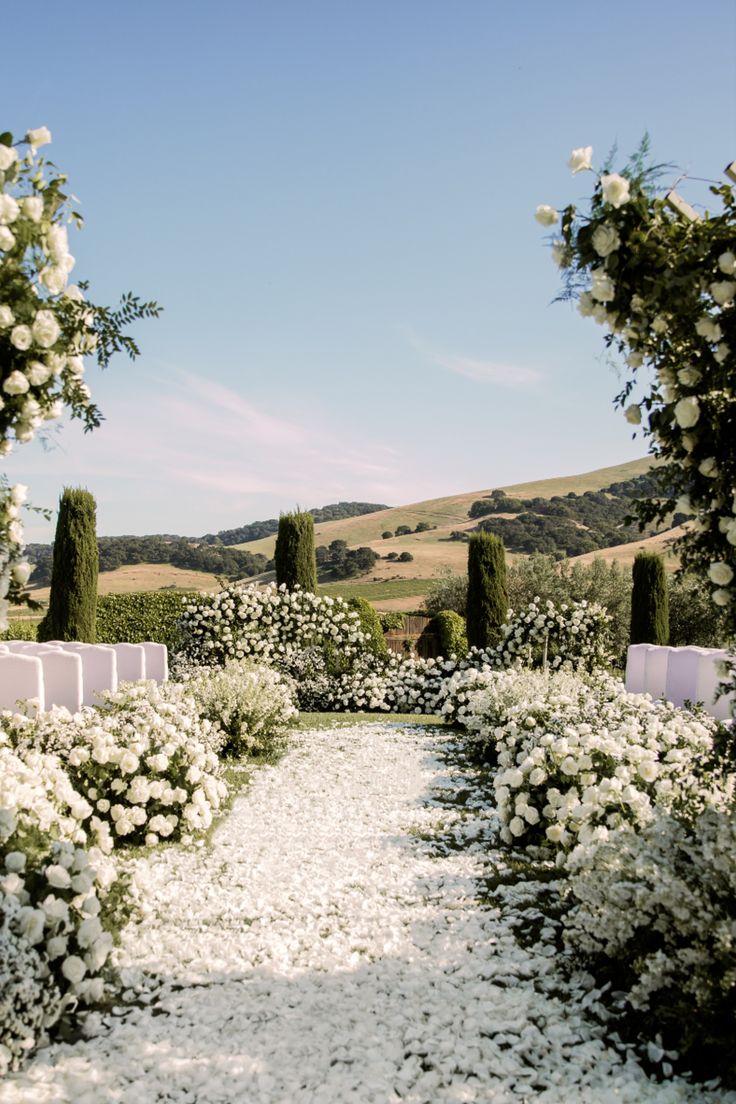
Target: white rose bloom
(7, 318)
(605, 240)
(546, 215)
(56, 946)
(73, 292)
(58, 876)
(586, 305)
(580, 159)
(57, 242)
(16, 383)
(7, 237)
(721, 353)
(54, 278)
(18, 494)
(129, 762)
(45, 329)
(708, 329)
(635, 360)
(21, 573)
(15, 862)
(689, 376)
(633, 414)
(21, 337)
(8, 157)
(708, 467)
(38, 372)
(720, 573)
(32, 923)
(615, 189)
(727, 263)
(687, 412)
(41, 136)
(603, 288)
(9, 209)
(722, 291)
(73, 969)
(33, 207)
(721, 597)
(559, 253)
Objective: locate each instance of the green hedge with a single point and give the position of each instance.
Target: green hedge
(449, 628)
(149, 615)
(390, 620)
(20, 630)
(370, 623)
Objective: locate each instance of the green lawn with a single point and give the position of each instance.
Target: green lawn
(391, 588)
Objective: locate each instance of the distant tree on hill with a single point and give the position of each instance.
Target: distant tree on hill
(294, 555)
(340, 562)
(405, 557)
(72, 610)
(255, 530)
(403, 530)
(387, 534)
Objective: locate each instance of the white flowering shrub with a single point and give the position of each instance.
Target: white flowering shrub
(578, 757)
(61, 900)
(146, 763)
(576, 634)
(47, 326)
(655, 912)
(251, 704)
(680, 325)
(270, 624)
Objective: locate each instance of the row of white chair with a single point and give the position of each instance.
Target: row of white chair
(679, 675)
(72, 674)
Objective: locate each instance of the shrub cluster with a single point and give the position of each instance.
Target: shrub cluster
(148, 615)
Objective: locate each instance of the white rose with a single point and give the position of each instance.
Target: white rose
(546, 215)
(615, 189)
(559, 253)
(554, 833)
(721, 597)
(54, 278)
(75, 293)
(580, 159)
(648, 770)
(517, 826)
(708, 467)
(633, 414)
(58, 876)
(7, 318)
(45, 329)
(21, 573)
(8, 157)
(73, 969)
(708, 329)
(635, 359)
(721, 353)
(722, 291)
(57, 242)
(7, 237)
(32, 922)
(15, 862)
(56, 946)
(18, 493)
(41, 136)
(603, 288)
(687, 412)
(605, 240)
(38, 373)
(33, 207)
(689, 376)
(586, 306)
(9, 209)
(727, 263)
(16, 383)
(720, 573)
(21, 337)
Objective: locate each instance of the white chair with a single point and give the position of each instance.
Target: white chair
(21, 679)
(99, 669)
(131, 662)
(157, 661)
(655, 670)
(635, 665)
(682, 674)
(708, 678)
(62, 678)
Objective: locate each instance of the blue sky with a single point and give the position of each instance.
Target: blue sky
(334, 203)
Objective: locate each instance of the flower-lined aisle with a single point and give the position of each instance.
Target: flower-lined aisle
(330, 946)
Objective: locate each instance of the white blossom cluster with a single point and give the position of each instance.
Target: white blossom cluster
(578, 757)
(251, 704)
(661, 901)
(576, 633)
(60, 900)
(683, 326)
(270, 624)
(146, 764)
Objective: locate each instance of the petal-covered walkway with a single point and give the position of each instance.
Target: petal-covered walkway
(329, 947)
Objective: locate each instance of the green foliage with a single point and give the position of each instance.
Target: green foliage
(294, 556)
(255, 530)
(405, 557)
(487, 596)
(148, 615)
(72, 603)
(370, 623)
(449, 628)
(497, 503)
(449, 592)
(694, 616)
(403, 530)
(390, 620)
(340, 562)
(387, 534)
(649, 601)
(20, 630)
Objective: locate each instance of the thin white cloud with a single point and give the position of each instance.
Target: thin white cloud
(491, 372)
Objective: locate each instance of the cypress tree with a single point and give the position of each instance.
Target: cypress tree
(72, 608)
(487, 595)
(650, 620)
(294, 556)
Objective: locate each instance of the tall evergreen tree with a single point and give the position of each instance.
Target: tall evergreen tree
(487, 596)
(72, 608)
(650, 621)
(294, 556)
